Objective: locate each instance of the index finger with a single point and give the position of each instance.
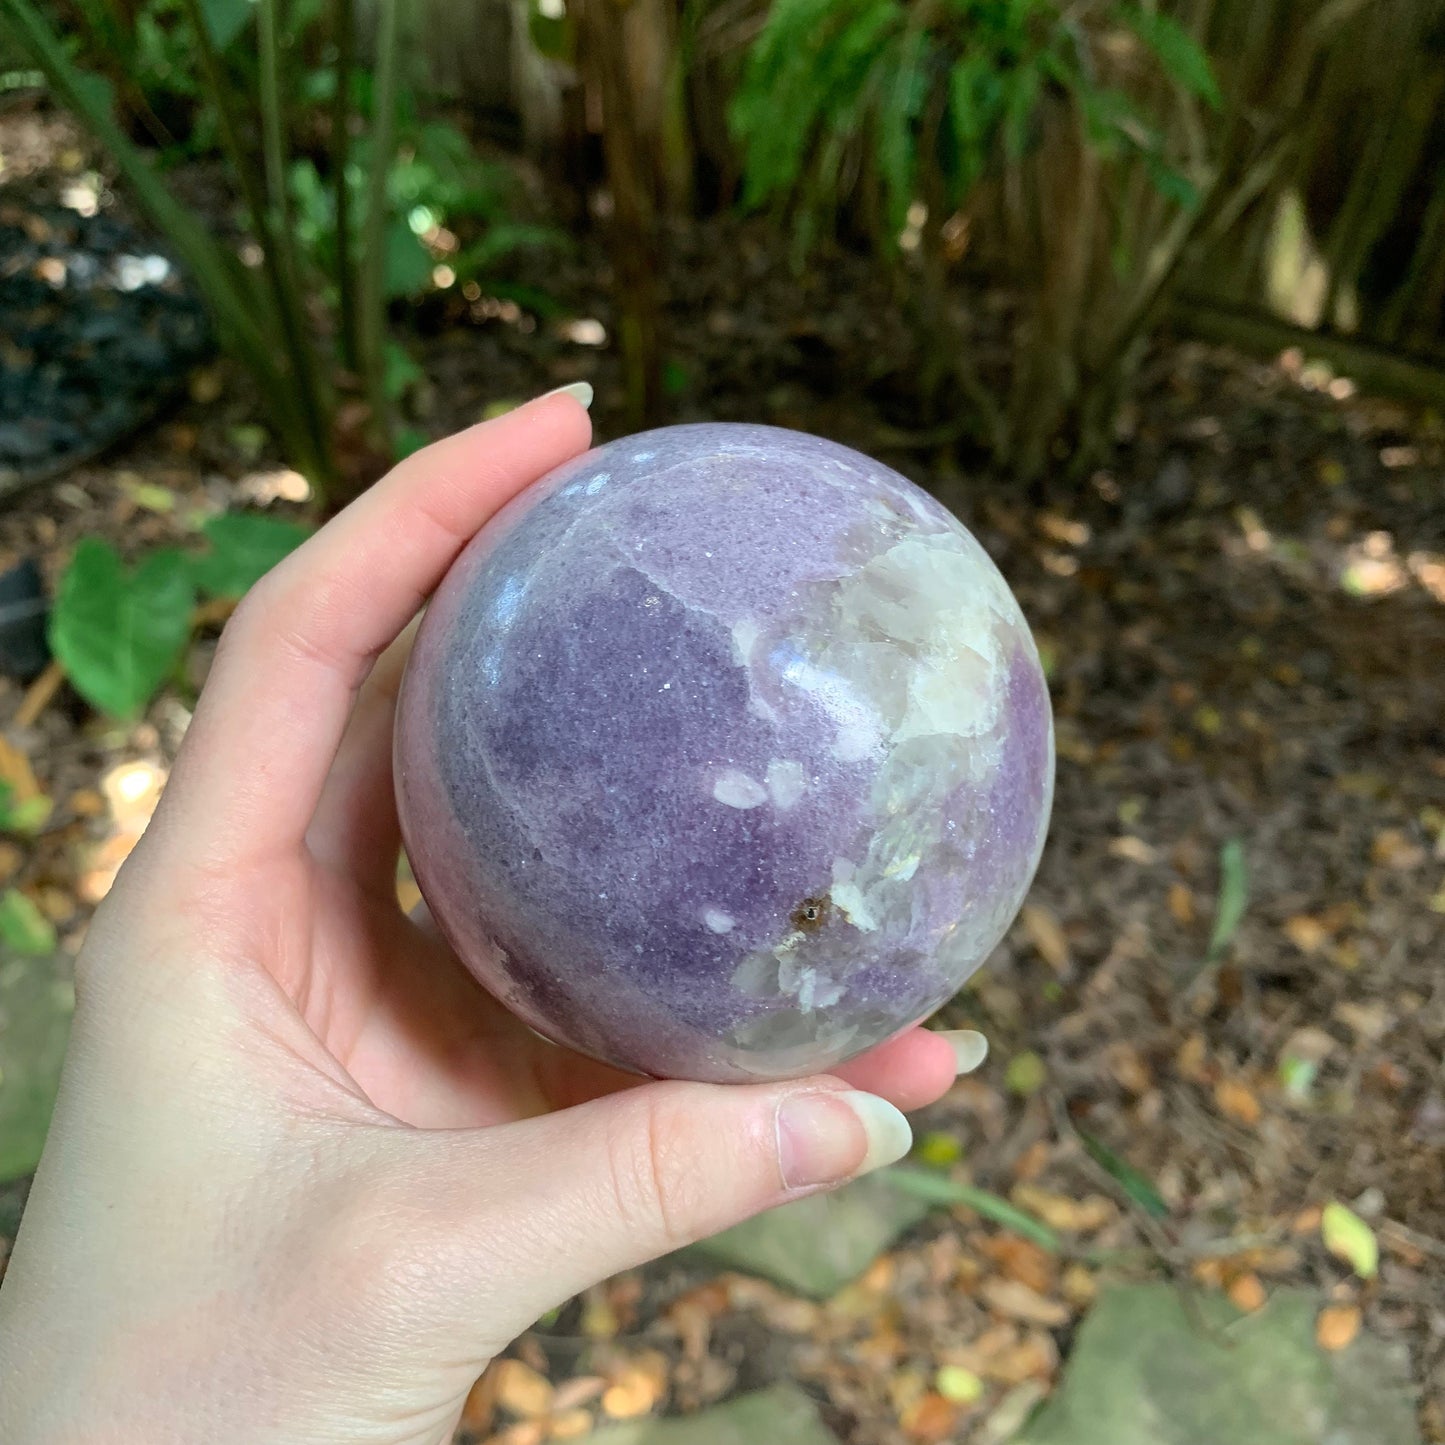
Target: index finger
(269, 722)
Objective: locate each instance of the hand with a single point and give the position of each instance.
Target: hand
(304, 1177)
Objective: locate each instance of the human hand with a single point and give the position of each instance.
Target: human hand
(304, 1177)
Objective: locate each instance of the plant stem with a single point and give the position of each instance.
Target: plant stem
(345, 23)
(294, 410)
(372, 266)
(287, 271)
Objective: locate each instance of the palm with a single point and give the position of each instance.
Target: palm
(287, 771)
(391, 1004)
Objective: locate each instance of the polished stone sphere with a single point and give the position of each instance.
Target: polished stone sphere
(724, 753)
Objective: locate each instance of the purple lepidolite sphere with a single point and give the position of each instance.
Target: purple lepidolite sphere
(724, 753)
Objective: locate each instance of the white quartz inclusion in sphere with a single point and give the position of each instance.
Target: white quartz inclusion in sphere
(724, 753)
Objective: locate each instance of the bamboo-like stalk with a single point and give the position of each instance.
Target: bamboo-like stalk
(370, 288)
(278, 301)
(344, 20)
(290, 295)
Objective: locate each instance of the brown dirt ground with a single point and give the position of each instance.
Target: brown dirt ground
(1244, 614)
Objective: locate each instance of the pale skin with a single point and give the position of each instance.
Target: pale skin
(305, 1178)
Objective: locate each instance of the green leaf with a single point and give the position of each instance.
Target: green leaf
(961, 1386)
(119, 633)
(23, 927)
(1172, 184)
(938, 1149)
(408, 439)
(1179, 53)
(1130, 1180)
(897, 149)
(506, 238)
(29, 817)
(1020, 103)
(244, 547)
(402, 372)
(1026, 1074)
(1349, 1238)
(225, 19)
(36, 1004)
(407, 266)
(935, 1189)
(1233, 898)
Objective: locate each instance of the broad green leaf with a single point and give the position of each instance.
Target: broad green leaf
(225, 19)
(1130, 1180)
(407, 266)
(1233, 898)
(1349, 1238)
(118, 633)
(408, 439)
(505, 239)
(244, 547)
(36, 1003)
(23, 927)
(935, 1189)
(1171, 183)
(1179, 53)
(401, 372)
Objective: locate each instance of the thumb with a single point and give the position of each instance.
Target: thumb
(579, 1195)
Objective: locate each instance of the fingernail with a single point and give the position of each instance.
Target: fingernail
(970, 1048)
(827, 1138)
(579, 391)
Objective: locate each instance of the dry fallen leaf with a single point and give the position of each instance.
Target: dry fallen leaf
(528, 1432)
(1079, 1286)
(1307, 934)
(1337, 1326)
(1181, 903)
(570, 1425)
(1058, 1211)
(929, 1419)
(1247, 1293)
(1392, 849)
(521, 1389)
(579, 1390)
(1022, 1260)
(1136, 850)
(481, 1405)
(1372, 1021)
(1190, 1060)
(1014, 1298)
(1046, 935)
(1035, 1358)
(637, 1388)
(1127, 1066)
(1238, 1101)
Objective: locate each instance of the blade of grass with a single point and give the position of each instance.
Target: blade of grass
(1233, 898)
(935, 1189)
(1135, 1184)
